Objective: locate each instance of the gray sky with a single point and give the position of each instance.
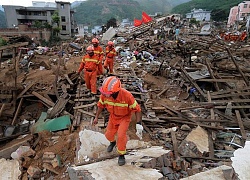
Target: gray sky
(26, 2)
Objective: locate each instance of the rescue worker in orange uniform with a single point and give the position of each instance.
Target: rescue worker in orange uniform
(99, 52)
(110, 55)
(120, 103)
(90, 63)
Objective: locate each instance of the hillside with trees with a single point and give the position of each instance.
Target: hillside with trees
(98, 12)
(163, 6)
(220, 9)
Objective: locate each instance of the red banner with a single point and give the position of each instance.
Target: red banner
(137, 22)
(146, 18)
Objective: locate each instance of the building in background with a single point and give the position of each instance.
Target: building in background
(199, 15)
(42, 12)
(239, 13)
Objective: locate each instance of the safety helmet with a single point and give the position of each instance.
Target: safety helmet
(95, 40)
(110, 85)
(110, 43)
(90, 48)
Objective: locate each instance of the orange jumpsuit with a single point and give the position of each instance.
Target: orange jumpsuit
(90, 66)
(99, 52)
(109, 61)
(120, 110)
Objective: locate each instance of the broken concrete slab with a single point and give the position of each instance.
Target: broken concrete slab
(94, 145)
(199, 137)
(129, 171)
(216, 173)
(241, 162)
(5, 151)
(9, 169)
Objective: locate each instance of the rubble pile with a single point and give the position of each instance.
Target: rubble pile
(193, 91)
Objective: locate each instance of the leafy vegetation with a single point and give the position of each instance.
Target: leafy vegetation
(2, 42)
(220, 8)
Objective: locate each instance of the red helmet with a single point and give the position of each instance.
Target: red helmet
(95, 40)
(90, 48)
(110, 85)
(110, 43)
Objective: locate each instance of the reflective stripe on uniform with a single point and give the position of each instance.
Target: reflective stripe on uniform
(133, 105)
(121, 152)
(111, 52)
(98, 52)
(91, 60)
(114, 104)
(100, 101)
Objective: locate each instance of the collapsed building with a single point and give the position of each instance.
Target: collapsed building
(194, 97)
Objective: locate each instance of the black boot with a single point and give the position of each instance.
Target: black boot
(121, 160)
(111, 146)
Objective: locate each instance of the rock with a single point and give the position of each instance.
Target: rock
(185, 127)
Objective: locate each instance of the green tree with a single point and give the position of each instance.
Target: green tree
(47, 25)
(2, 42)
(56, 31)
(38, 24)
(55, 18)
(193, 21)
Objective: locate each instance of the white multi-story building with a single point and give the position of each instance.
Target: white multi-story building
(199, 15)
(42, 12)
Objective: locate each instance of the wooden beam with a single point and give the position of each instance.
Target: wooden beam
(69, 80)
(211, 73)
(233, 107)
(237, 67)
(175, 144)
(193, 83)
(16, 45)
(39, 96)
(17, 111)
(2, 109)
(86, 112)
(242, 129)
(218, 80)
(85, 106)
(25, 90)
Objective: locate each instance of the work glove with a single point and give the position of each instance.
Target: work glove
(139, 129)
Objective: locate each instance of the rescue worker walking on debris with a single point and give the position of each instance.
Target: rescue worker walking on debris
(90, 63)
(99, 52)
(120, 103)
(110, 55)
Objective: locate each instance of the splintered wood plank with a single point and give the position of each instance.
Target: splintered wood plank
(212, 114)
(17, 111)
(242, 130)
(68, 79)
(39, 96)
(233, 107)
(237, 67)
(84, 106)
(25, 90)
(86, 112)
(219, 80)
(175, 144)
